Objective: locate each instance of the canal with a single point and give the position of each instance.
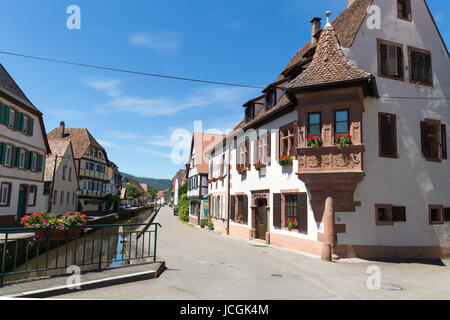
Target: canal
(119, 244)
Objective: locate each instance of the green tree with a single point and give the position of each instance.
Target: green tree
(111, 200)
(183, 208)
(182, 190)
(132, 191)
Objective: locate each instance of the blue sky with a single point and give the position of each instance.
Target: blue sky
(133, 116)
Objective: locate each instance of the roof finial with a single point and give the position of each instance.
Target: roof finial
(328, 14)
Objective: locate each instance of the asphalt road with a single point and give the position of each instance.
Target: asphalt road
(207, 265)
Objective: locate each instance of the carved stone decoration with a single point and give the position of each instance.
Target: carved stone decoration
(301, 162)
(313, 161)
(341, 160)
(356, 131)
(326, 161)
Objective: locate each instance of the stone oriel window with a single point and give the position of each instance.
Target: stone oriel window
(387, 131)
(315, 124)
(390, 60)
(341, 122)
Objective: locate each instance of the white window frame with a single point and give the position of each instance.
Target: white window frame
(23, 155)
(5, 189)
(25, 125)
(12, 117)
(8, 156)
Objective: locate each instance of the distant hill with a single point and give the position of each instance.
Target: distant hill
(155, 183)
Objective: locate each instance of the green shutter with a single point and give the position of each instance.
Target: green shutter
(2, 113)
(29, 160)
(2, 152)
(21, 119)
(41, 162)
(6, 110)
(17, 153)
(31, 126)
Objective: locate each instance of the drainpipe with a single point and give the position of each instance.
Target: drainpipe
(50, 198)
(228, 190)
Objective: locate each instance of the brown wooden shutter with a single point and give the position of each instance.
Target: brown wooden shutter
(446, 214)
(423, 135)
(444, 141)
(399, 62)
(247, 154)
(399, 214)
(277, 210)
(233, 208)
(388, 143)
(302, 212)
(237, 157)
(245, 209)
(383, 58)
(293, 151)
(269, 145)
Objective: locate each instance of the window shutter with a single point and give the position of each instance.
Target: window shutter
(19, 121)
(29, 160)
(31, 126)
(2, 152)
(387, 130)
(17, 152)
(399, 62)
(293, 151)
(2, 113)
(269, 146)
(414, 65)
(41, 162)
(7, 109)
(245, 209)
(277, 210)
(428, 69)
(399, 214)
(233, 208)
(446, 214)
(423, 135)
(444, 141)
(383, 58)
(247, 154)
(302, 212)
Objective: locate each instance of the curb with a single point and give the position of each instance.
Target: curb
(94, 284)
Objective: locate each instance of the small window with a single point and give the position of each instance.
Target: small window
(404, 9)
(288, 143)
(5, 194)
(420, 66)
(33, 161)
(55, 197)
(387, 129)
(25, 125)
(68, 198)
(446, 214)
(436, 214)
(314, 124)
(32, 196)
(291, 208)
(434, 140)
(12, 118)
(342, 122)
(64, 172)
(61, 201)
(383, 215)
(70, 174)
(91, 166)
(22, 158)
(47, 188)
(390, 60)
(8, 155)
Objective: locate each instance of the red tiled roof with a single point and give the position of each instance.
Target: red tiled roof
(329, 64)
(81, 140)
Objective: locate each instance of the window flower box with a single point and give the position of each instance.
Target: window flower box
(242, 170)
(240, 218)
(291, 224)
(314, 142)
(343, 141)
(258, 166)
(285, 160)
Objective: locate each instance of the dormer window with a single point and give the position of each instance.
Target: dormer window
(271, 99)
(404, 9)
(250, 112)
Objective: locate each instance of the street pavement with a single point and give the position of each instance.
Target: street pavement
(204, 265)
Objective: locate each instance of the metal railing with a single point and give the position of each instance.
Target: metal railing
(26, 251)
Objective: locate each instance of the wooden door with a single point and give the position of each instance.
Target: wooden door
(261, 219)
(21, 206)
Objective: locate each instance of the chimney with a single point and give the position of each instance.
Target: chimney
(349, 3)
(315, 28)
(62, 127)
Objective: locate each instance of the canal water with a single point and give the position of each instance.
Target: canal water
(107, 248)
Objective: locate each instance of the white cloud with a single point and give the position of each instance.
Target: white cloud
(110, 144)
(165, 41)
(219, 97)
(152, 152)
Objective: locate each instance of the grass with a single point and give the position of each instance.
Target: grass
(186, 222)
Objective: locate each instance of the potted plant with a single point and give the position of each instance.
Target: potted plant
(343, 141)
(285, 160)
(314, 142)
(203, 223)
(242, 170)
(240, 218)
(210, 225)
(74, 221)
(291, 224)
(259, 165)
(38, 221)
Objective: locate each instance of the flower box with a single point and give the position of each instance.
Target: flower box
(291, 225)
(314, 142)
(285, 160)
(343, 141)
(242, 170)
(259, 165)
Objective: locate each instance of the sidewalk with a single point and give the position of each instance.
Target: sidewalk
(47, 287)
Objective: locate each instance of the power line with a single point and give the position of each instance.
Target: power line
(156, 75)
(130, 71)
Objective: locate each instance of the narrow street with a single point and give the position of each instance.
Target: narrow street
(206, 265)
